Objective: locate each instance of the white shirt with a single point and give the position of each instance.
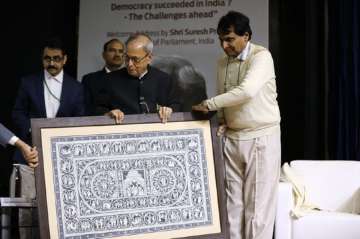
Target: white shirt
(107, 70)
(13, 140)
(243, 55)
(52, 93)
(143, 74)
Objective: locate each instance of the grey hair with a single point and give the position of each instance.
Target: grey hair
(148, 47)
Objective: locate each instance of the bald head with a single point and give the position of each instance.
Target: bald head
(140, 41)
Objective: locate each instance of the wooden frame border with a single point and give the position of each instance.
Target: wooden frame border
(38, 124)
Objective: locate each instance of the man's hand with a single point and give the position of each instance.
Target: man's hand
(221, 130)
(116, 114)
(30, 153)
(32, 157)
(165, 113)
(201, 107)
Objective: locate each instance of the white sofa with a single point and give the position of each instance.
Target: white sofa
(333, 186)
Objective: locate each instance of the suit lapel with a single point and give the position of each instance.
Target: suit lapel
(64, 96)
(40, 94)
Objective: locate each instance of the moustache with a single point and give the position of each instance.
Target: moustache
(51, 67)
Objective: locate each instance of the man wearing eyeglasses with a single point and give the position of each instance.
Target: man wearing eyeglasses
(48, 94)
(138, 88)
(113, 55)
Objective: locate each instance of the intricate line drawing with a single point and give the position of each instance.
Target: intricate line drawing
(130, 183)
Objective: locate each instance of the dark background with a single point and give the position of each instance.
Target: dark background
(301, 50)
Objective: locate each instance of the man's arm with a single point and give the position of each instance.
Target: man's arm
(20, 113)
(169, 98)
(173, 102)
(103, 100)
(30, 153)
(5, 135)
(173, 94)
(260, 71)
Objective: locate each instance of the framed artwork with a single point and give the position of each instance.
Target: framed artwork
(139, 179)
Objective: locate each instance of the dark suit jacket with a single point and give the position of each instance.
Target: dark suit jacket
(124, 92)
(93, 83)
(5, 135)
(30, 103)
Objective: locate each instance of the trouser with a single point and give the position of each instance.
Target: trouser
(252, 175)
(22, 184)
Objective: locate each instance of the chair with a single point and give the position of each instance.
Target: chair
(334, 187)
(5, 220)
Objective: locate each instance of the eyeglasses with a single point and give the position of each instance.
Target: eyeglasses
(135, 60)
(56, 59)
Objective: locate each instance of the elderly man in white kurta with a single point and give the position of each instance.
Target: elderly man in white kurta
(250, 121)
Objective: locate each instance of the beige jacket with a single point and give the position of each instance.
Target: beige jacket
(246, 99)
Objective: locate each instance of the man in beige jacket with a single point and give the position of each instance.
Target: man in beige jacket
(250, 121)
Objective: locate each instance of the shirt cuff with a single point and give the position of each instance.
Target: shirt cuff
(211, 104)
(13, 140)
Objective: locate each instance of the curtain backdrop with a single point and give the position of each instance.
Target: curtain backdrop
(344, 82)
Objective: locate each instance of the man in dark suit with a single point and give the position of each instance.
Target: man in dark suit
(138, 88)
(48, 94)
(113, 55)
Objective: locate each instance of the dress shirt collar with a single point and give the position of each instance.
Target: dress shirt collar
(107, 70)
(243, 55)
(59, 77)
(143, 74)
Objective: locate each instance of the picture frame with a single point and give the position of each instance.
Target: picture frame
(98, 179)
